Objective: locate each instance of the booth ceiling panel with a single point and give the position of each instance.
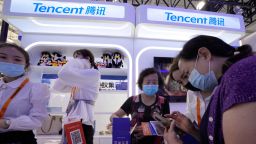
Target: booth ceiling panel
(247, 7)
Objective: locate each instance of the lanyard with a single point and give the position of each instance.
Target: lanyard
(198, 111)
(6, 104)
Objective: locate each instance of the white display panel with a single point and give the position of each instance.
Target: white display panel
(180, 33)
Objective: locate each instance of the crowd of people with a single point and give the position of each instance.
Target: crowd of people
(221, 95)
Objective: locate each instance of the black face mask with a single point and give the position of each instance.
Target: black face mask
(189, 86)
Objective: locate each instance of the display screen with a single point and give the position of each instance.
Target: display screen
(163, 64)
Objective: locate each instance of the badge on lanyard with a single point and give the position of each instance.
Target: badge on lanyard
(141, 109)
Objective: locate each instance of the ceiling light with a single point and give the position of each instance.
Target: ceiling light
(238, 10)
(200, 5)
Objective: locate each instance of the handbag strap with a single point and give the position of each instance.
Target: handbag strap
(6, 104)
(52, 118)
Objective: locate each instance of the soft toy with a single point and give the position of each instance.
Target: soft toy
(106, 57)
(45, 59)
(56, 59)
(117, 60)
(62, 60)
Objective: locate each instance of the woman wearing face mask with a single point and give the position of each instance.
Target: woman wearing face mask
(230, 117)
(197, 102)
(80, 76)
(22, 103)
(142, 106)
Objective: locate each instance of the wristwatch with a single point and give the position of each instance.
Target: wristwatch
(7, 123)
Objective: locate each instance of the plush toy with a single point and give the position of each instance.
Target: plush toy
(45, 59)
(56, 57)
(106, 57)
(117, 60)
(62, 61)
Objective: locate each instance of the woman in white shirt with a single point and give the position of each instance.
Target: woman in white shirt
(196, 104)
(81, 77)
(22, 103)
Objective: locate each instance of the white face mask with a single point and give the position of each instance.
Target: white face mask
(84, 63)
(205, 82)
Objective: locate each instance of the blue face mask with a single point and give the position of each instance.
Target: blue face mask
(150, 90)
(11, 70)
(205, 82)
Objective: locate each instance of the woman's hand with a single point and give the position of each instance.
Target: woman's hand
(182, 121)
(170, 135)
(3, 124)
(113, 116)
(138, 132)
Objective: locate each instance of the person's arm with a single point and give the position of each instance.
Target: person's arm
(76, 76)
(124, 110)
(61, 86)
(239, 124)
(239, 103)
(119, 113)
(39, 100)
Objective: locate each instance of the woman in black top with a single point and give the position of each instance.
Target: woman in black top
(142, 106)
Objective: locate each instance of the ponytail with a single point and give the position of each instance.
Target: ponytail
(242, 52)
(94, 65)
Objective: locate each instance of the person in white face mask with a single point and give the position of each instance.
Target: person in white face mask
(230, 116)
(197, 102)
(81, 77)
(22, 103)
(142, 106)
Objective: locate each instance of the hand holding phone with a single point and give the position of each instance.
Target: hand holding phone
(166, 122)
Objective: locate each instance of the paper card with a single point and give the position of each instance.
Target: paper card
(74, 133)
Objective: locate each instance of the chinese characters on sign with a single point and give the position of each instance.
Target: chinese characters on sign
(95, 10)
(113, 85)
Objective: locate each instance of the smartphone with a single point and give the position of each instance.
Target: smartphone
(166, 122)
